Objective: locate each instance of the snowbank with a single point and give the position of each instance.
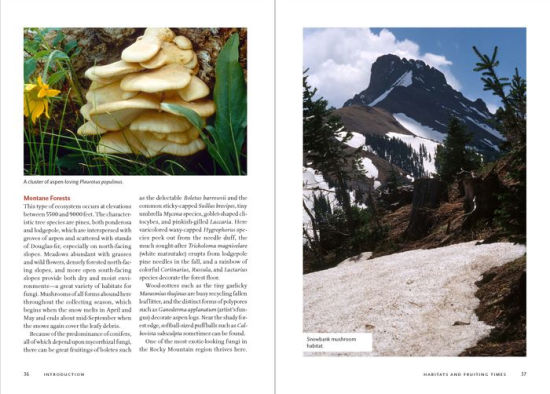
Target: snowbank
(413, 299)
(370, 169)
(415, 142)
(404, 80)
(487, 128)
(419, 129)
(314, 185)
(356, 141)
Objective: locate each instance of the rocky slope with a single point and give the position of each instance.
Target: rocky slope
(502, 295)
(369, 120)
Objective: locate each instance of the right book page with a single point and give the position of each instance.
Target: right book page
(404, 191)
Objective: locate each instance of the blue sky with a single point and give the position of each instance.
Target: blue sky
(339, 59)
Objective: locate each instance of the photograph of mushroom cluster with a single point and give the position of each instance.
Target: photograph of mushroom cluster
(135, 101)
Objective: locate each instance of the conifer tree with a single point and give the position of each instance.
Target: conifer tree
(392, 182)
(338, 231)
(453, 155)
(511, 122)
(322, 149)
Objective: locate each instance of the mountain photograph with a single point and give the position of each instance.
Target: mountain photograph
(414, 188)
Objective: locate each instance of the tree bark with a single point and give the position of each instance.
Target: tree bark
(484, 191)
(427, 195)
(316, 247)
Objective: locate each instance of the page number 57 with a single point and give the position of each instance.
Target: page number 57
(524, 373)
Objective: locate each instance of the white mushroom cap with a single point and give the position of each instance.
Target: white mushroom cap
(99, 81)
(169, 77)
(193, 133)
(162, 33)
(114, 143)
(119, 114)
(159, 122)
(169, 94)
(127, 95)
(204, 108)
(196, 89)
(178, 138)
(147, 45)
(145, 143)
(105, 94)
(169, 53)
(85, 111)
(183, 42)
(125, 141)
(115, 69)
(90, 128)
(141, 50)
(97, 85)
(184, 149)
(185, 137)
(149, 146)
(193, 63)
(162, 136)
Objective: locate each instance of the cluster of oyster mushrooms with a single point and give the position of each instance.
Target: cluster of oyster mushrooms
(125, 97)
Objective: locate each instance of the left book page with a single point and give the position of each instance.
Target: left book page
(137, 163)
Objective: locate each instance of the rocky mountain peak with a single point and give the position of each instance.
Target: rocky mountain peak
(420, 92)
(480, 104)
(391, 72)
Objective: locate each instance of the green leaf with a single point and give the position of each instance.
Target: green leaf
(70, 46)
(188, 113)
(231, 107)
(76, 51)
(41, 54)
(31, 46)
(55, 55)
(56, 77)
(29, 68)
(58, 38)
(46, 30)
(214, 152)
(38, 38)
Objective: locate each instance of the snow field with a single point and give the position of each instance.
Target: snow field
(314, 184)
(419, 129)
(370, 169)
(410, 300)
(486, 128)
(415, 142)
(403, 80)
(356, 141)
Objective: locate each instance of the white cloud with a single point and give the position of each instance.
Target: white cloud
(339, 60)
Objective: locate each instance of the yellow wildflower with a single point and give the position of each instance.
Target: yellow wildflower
(36, 99)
